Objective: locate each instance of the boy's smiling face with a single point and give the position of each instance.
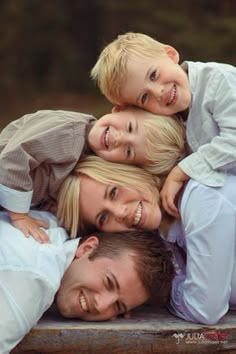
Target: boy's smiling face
(158, 85)
(120, 136)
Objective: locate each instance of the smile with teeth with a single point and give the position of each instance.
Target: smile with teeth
(138, 214)
(172, 96)
(106, 139)
(83, 303)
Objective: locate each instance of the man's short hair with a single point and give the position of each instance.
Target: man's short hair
(152, 260)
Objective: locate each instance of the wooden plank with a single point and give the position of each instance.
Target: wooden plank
(149, 331)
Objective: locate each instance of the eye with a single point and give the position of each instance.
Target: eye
(144, 98)
(128, 151)
(113, 192)
(153, 75)
(130, 128)
(103, 217)
(119, 308)
(109, 283)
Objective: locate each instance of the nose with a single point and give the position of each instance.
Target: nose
(120, 211)
(105, 301)
(157, 91)
(120, 138)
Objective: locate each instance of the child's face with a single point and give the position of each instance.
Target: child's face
(120, 137)
(158, 85)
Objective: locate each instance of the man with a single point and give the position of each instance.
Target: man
(96, 275)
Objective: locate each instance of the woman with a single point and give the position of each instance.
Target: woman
(119, 197)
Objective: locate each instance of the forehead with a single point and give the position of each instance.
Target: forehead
(127, 279)
(91, 195)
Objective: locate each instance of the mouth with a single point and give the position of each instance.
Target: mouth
(83, 303)
(138, 214)
(106, 137)
(172, 95)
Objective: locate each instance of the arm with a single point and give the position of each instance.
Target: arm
(30, 275)
(218, 126)
(197, 296)
(171, 188)
(35, 144)
(24, 299)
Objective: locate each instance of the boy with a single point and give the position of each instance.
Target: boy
(137, 70)
(39, 150)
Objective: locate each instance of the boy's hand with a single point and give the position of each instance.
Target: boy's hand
(171, 188)
(30, 226)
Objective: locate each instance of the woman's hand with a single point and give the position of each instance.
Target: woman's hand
(30, 226)
(171, 189)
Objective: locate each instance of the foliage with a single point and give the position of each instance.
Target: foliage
(52, 45)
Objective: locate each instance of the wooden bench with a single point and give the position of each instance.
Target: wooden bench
(149, 331)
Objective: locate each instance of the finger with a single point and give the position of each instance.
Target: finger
(43, 237)
(169, 207)
(172, 210)
(41, 223)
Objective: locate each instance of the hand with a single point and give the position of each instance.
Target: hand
(30, 226)
(171, 189)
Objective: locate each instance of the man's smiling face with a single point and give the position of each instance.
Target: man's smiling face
(99, 289)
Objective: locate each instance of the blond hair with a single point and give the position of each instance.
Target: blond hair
(105, 172)
(165, 143)
(110, 70)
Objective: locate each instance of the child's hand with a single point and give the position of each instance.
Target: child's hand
(171, 188)
(30, 226)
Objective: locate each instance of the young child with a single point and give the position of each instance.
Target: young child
(39, 150)
(135, 69)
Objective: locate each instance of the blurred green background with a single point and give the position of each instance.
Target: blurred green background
(47, 48)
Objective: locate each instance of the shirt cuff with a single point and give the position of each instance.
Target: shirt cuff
(16, 201)
(196, 168)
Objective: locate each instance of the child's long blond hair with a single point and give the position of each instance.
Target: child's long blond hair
(105, 172)
(110, 70)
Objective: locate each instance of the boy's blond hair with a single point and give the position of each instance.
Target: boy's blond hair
(165, 143)
(110, 70)
(105, 172)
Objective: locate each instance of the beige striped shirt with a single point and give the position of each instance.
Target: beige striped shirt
(39, 150)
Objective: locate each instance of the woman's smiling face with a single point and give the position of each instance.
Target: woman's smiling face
(113, 208)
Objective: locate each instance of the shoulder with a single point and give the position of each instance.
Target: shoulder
(45, 261)
(204, 204)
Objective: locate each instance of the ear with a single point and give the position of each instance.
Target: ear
(87, 246)
(118, 108)
(172, 53)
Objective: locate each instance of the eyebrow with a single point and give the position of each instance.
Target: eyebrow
(145, 79)
(104, 197)
(117, 286)
(136, 130)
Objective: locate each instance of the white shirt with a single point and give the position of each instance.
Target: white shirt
(205, 288)
(211, 123)
(30, 275)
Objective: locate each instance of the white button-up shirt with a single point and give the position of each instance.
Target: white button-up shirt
(30, 275)
(205, 288)
(211, 123)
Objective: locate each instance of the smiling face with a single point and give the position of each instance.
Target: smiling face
(99, 289)
(158, 85)
(112, 208)
(120, 136)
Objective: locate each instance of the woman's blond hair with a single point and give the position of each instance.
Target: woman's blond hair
(110, 70)
(105, 172)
